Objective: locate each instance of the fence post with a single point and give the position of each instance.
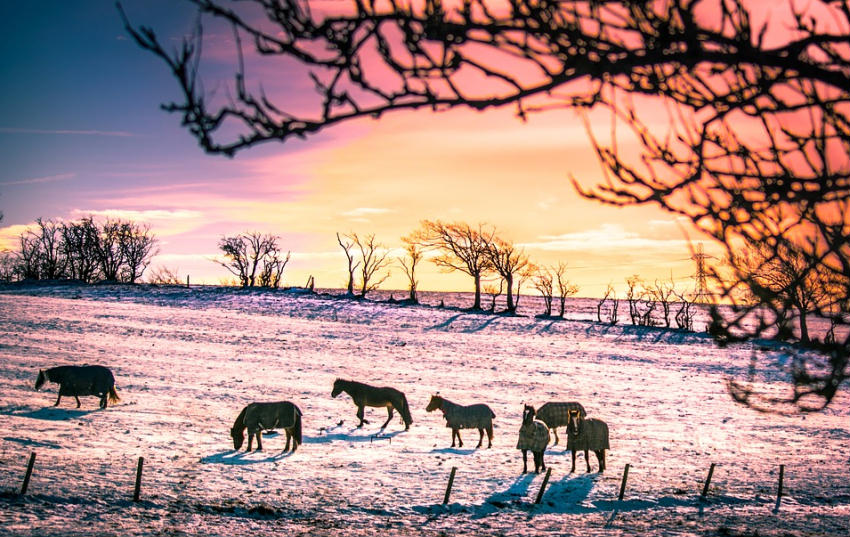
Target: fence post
(138, 488)
(187, 280)
(623, 484)
(781, 478)
(26, 483)
(449, 486)
(707, 482)
(543, 486)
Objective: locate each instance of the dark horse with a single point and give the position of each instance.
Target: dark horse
(533, 437)
(258, 416)
(80, 380)
(365, 395)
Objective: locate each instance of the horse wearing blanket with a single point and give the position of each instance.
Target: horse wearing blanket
(465, 417)
(79, 380)
(258, 416)
(587, 435)
(365, 395)
(556, 415)
(534, 437)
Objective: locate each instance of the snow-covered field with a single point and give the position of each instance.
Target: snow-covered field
(186, 362)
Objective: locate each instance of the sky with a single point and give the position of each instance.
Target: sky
(82, 133)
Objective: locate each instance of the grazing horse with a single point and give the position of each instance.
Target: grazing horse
(80, 380)
(557, 414)
(258, 416)
(364, 395)
(534, 437)
(465, 417)
(588, 435)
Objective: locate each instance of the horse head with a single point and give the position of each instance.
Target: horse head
(574, 422)
(435, 403)
(238, 435)
(338, 387)
(39, 382)
(528, 414)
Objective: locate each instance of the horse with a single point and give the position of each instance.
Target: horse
(258, 416)
(465, 417)
(80, 380)
(557, 414)
(534, 437)
(588, 435)
(364, 395)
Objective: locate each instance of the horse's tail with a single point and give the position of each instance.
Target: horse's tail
(296, 429)
(113, 395)
(405, 411)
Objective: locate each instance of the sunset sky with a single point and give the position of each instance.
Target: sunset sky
(81, 133)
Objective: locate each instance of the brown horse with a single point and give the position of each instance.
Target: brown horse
(533, 437)
(465, 417)
(587, 435)
(258, 416)
(364, 395)
(80, 380)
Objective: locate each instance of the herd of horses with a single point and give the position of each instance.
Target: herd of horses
(583, 433)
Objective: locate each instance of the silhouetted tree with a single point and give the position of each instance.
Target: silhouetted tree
(347, 246)
(460, 247)
(51, 260)
(374, 258)
(107, 249)
(509, 262)
(79, 246)
(564, 287)
(413, 255)
(758, 147)
(543, 282)
(245, 254)
(138, 246)
(613, 312)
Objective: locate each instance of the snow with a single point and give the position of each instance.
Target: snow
(187, 360)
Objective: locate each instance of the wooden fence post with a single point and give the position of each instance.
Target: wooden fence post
(543, 486)
(449, 486)
(26, 483)
(781, 478)
(623, 484)
(138, 488)
(707, 482)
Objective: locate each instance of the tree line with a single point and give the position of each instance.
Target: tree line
(86, 250)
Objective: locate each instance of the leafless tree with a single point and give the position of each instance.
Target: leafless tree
(758, 146)
(52, 262)
(494, 292)
(138, 246)
(8, 266)
(663, 292)
(29, 257)
(613, 311)
(565, 288)
(460, 247)
(347, 246)
(244, 254)
(685, 312)
(509, 262)
(79, 246)
(271, 272)
(413, 255)
(374, 258)
(108, 251)
(543, 282)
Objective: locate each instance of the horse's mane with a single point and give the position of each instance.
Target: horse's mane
(239, 424)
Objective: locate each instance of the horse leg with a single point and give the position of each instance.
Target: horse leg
(555, 432)
(587, 460)
(259, 439)
(57, 400)
(389, 417)
(250, 441)
(360, 410)
(600, 458)
(480, 437)
(459, 440)
(573, 469)
(454, 432)
(525, 461)
(78, 400)
(489, 436)
(103, 401)
(288, 437)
